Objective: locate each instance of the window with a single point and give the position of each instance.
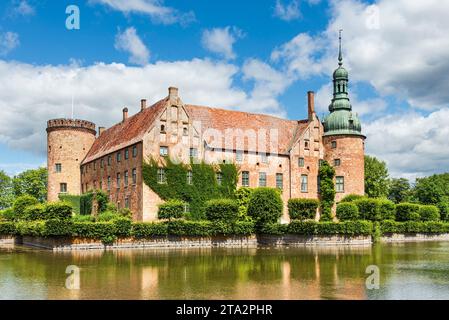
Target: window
(126, 202)
(126, 178)
(58, 167)
(162, 128)
(102, 163)
(306, 145)
(63, 187)
(185, 131)
(262, 179)
(193, 153)
(219, 178)
(279, 181)
(109, 160)
(334, 144)
(109, 183)
(337, 162)
(161, 175)
(189, 177)
(186, 207)
(126, 154)
(134, 176)
(340, 184)
(119, 156)
(163, 151)
(301, 162)
(264, 158)
(304, 183)
(134, 151)
(239, 156)
(118, 180)
(245, 178)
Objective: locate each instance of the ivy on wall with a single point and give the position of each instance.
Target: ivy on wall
(203, 185)
(327, 190)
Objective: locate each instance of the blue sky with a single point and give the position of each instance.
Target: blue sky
(252, 55)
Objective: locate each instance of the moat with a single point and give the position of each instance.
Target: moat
(407, 271)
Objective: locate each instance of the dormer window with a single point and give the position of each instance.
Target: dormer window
(162, 128)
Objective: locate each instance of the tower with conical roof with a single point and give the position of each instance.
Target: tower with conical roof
(343, 139)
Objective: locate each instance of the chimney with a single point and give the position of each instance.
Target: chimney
(173, 93)
(125, 114)
(143, 104)
(311, 104)
(101, 130)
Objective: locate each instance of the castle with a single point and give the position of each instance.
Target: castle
(269, 151)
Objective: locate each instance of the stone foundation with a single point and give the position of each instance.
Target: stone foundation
(7, 240)
(414, 237)
(305, 240)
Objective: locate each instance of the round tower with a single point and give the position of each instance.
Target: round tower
(68, 141)
(343, 139)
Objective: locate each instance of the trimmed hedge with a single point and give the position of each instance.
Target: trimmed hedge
(7, 228)
(352, 197)
(34, 212)
(387, 209)
(172, 209)
(347, 211)
(7, 214)
(21, 203)
(74, 200)
(429, 213)
(58, 210)
(222, 210)
(302, 209)
(407, 212)
(320, 228)
(390, 226)
(368, 209)
(265, 205)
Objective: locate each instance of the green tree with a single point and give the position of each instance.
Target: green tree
(400, 190)
(32, 182)
(433, 189)
(6, 191)
(327, 190)
(376, 178)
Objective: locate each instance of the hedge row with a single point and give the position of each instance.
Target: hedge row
(390, 226)
(382, 209)
(302, 209)
(320, 228)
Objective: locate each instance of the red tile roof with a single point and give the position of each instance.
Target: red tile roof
(133, 129)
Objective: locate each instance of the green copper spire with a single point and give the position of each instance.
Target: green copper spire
(341, 120)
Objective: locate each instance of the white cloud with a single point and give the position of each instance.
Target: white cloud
(288, 11)
(153, 8)
(399, 47)
(413, 145)
(8, 42)
(23, 8)
(32, 94)
(221, 40)
(130, 42)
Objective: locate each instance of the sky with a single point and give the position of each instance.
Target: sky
(252, 55)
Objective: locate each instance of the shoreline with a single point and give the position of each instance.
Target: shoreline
(58, 244)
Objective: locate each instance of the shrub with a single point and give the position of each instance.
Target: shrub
(429, 213)
(172, 209)
(7, 215)
(122, 227)
(34, 212)
(407, 212)
(57, 227)
(58, 210)
(107, 216)
(83, 218)
(390, 226)
(368, 209)
(265, 205)
(242, 196)
(352, 197)
(222, 210)
(303, 227)
(330, 228)
(302, 209)
(190, 228)
(387, 209)
(7, 228)
(74, 200)
(347, 211)
(148, 230)
(30, 228)
(21, 203)
(443, 207)
(95, 230)
(125, 213)
(326, 174)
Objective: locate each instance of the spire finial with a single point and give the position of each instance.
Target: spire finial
(340, 57)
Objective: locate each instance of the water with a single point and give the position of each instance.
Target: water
(407, 271)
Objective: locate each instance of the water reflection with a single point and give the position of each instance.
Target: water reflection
(262, 273)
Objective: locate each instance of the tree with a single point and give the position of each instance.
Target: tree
(433, 189)
(6, 191)
(31, 182)
(376, 178)
(326, 175)
(400, 190)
